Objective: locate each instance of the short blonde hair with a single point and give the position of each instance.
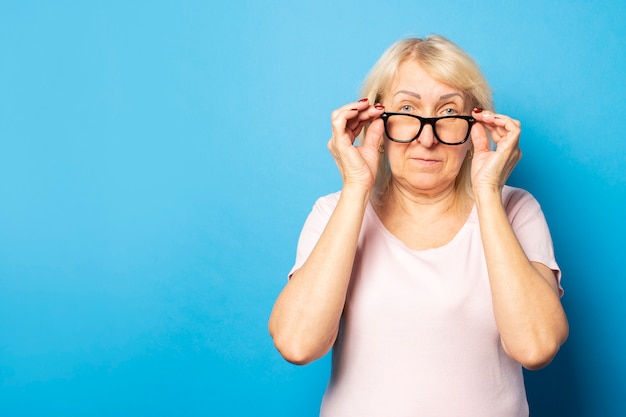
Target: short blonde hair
(445, 62)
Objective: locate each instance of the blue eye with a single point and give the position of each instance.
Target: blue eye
(449, 112)
(406, 108)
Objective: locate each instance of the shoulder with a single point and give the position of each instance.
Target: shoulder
(322, 210)
(512, 195)
(326, 204)
(515, 198)
(521, 207)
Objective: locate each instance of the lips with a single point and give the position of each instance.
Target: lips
(425, 161)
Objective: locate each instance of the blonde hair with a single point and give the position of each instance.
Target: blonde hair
(446, 63)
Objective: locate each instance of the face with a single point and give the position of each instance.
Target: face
(424, 165)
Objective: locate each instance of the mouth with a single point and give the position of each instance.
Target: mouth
(425, 161)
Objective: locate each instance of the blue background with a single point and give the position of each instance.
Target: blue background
(158, 159)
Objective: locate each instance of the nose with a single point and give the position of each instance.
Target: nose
(427, 136)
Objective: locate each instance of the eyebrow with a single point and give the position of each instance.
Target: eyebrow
(447, 96)
(411, 93)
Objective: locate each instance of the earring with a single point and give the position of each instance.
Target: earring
(381, 149)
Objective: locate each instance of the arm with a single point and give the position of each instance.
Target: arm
(305, 319)
(525, 294)
(526, 303)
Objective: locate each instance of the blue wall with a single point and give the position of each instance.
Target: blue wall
(157, 160)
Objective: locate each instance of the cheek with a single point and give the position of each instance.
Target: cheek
(462, 154)
(457, 157)
(394, 152)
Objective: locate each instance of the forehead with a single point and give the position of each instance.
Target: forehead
(412, 77)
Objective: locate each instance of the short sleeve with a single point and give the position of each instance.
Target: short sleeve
(531, 228)
(313, 227)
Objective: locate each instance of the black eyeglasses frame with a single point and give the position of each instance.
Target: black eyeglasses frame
(428, 121)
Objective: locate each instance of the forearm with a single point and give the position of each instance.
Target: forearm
(305, 319)
(526, 303)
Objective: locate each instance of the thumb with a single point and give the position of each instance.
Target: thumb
(373, 134)
(479, 138)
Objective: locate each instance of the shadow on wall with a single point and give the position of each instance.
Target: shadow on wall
(585, 213)
(558, 391)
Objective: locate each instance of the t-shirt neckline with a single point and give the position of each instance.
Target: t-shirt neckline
(471, 219)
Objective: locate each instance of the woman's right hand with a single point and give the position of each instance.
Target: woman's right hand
(357, 164)
(305, 319)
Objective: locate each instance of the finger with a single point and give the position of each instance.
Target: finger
(505, 125)
(340, 119)
(358, 106)
(348, 116)
(502, 128)
(374, 134)
(479, 138)
(350, 108)
(497, 120)
(364, 117)
(485, 115)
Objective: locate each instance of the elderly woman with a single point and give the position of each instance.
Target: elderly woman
(433, 281)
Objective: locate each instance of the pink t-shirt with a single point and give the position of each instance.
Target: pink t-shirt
(418, 335)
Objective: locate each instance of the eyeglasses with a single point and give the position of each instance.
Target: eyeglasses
(449, 130)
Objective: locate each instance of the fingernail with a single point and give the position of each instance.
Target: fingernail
(354, 109)
(364, 99)
(379, 106)
(477, 110)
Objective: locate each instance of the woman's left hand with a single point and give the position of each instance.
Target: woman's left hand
(491, 169)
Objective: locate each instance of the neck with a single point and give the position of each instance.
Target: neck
(423, 204)
(423, 220)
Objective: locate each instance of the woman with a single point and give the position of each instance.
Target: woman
(433, 282)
